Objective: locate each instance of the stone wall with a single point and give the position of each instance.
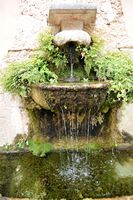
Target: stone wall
(13, 118)
(31, 21)
(33, 18)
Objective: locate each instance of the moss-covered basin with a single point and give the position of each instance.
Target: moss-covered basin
(75, 97)
(68, 175)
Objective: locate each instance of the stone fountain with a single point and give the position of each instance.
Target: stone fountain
(72, 22)
(72, 105)
(67, 109)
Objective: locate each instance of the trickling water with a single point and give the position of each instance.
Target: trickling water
(58, 126)
(71, 59)
(77, 125)
(64, 122)
(71, 70)
(74, 125)
(74, 108)
(88, 126)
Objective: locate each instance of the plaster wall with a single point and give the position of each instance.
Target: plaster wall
(127, 6)
(30, 21)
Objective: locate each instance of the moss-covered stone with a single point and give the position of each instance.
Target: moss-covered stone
(65, 175)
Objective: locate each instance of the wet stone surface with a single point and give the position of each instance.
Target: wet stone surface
(72, 107)
(72, 97)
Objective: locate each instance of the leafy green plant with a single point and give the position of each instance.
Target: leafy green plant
(19, 77)
(55, 56)
(90, 53)
(40, 148)
(21, 144)
(44, 67)
(117, 68)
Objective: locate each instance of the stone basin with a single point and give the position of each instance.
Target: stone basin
(71, 97)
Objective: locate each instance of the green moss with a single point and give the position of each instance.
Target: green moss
(34, 126)
(40, 147)
(65, 175)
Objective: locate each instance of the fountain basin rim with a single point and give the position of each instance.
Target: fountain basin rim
(120, 148)
(72, 86)
(50, 96)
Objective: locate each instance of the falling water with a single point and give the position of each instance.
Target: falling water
(88, 126)
(71, 64)
(77, 125)
(71, 59)
(64, 122)
(74, 127)
(58, 126)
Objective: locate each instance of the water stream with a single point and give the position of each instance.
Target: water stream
(73, 124)
(71, 61)
(71, 52)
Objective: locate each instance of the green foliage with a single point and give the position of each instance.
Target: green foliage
(50, 62)
(113, 67)
(21, 144)
(91, 53)
(40, 148)
(19, 77)
(55, 56)
(117, 68)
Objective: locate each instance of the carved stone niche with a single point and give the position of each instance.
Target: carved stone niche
(72, 22)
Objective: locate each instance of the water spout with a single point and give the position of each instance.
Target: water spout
(71, 57)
